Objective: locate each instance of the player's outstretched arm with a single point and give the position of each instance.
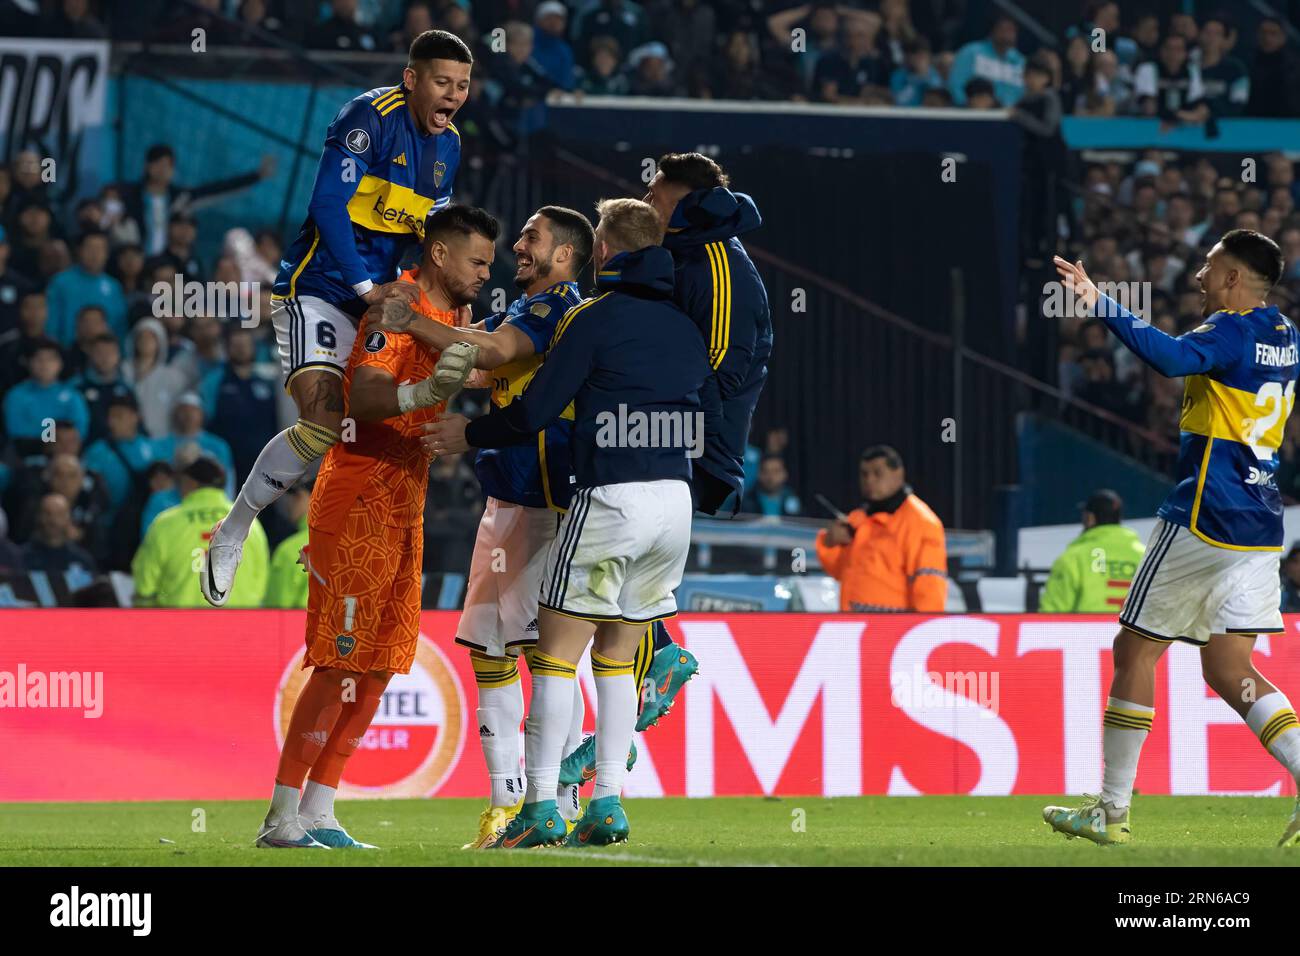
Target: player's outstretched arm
(1211, 346)
(495, 349)
(375, 395)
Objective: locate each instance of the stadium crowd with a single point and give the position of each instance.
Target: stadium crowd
(865, 52)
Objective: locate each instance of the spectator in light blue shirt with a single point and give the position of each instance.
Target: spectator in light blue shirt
(918, 74)
(42, 399)
(163, 494)
(124, 455)
(188, 440)
(771, 496)
(995, 59)
(83, 284)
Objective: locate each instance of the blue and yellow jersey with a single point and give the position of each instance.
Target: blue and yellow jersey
(538, 474)
(378, 178)
(1240, 370)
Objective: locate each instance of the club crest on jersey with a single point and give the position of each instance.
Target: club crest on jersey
(358, 141)
(344, 643)
(540, 309)
(375, 341)
(439, 170)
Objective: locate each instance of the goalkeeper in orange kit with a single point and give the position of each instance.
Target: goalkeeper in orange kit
(366, 533)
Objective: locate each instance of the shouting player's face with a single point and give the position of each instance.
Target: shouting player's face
(534, 252)
(464, 263)
(435, 90)
(664, 196)
(1216, 279)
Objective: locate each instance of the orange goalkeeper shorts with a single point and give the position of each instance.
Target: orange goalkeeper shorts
(363, 600)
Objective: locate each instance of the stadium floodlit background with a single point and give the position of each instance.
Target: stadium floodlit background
(910, 211)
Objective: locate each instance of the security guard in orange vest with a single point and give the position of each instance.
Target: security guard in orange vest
(889, 554)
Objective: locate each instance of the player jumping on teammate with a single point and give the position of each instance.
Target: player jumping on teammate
(390, 158)
(1210, 573)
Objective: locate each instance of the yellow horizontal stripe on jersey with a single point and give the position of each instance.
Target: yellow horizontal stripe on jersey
(510, 380)
(381, 206)
(1215, 410)
(389, 107)
(452, 127)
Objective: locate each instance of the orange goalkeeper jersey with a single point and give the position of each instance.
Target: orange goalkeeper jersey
(384, 466)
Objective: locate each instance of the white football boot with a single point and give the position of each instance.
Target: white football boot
(287, 834)
(217, 575)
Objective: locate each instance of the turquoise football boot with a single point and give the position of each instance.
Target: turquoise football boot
(603, 823)
(670, 669)
(580, 766)
(330, 832)
(536, 824)
(1095, 820)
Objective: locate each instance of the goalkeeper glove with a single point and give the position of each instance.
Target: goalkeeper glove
(454, 366)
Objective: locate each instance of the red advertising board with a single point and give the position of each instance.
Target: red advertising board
(152, 705)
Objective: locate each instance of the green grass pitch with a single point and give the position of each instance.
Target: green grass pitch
(749, 831)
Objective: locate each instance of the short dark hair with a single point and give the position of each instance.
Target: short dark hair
(1105, 505)
(205, 472)
(90, 233)
(693, 170)
(45, 344)
(438, 45)
(977, 85)
(892, 458)
(1257, 252)
(160, 468)
(572, 228)
(771, 456)
(458, 219)
(160, 151)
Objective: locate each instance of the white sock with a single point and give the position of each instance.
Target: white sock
(277, 462)
(615, 722)
(284, 804)
(1124, 729)
(1273, 720)
(317, 802)
(500, 711)
(547, 725)
(567, 797)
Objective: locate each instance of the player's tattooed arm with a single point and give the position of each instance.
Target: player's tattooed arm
(495, 349)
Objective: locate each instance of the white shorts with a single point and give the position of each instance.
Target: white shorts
(1186, 590)
(505, 576)
(311, 333)
(620, 552)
